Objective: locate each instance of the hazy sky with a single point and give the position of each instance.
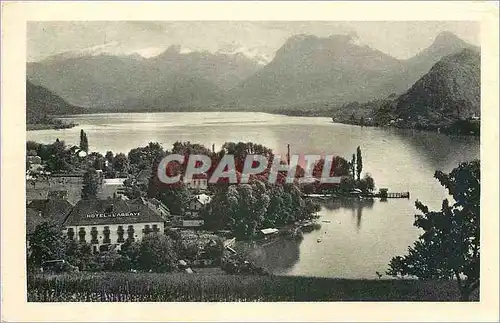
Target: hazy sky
(399, 39)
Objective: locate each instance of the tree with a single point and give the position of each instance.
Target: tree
(113, 261)
(353, 165)
(121, 163)
(175, 196)
(449, 248)
(57, 156)
(84, 143)
(157, 253)
(247, 206)
(131, 251)
(109, 157)
(240, 151)
(359, 163)
(144, 157)
(45, 243)
(90, 184)
(32, 145)
(78, 253)
(366, 184)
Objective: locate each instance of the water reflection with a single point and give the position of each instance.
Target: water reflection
(440, 150)
(277, 256)
(355, 205)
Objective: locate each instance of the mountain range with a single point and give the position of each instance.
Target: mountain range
(41, 104)
(449, 91)
(306, 70)
(133, 82)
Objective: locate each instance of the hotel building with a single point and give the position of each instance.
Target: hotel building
(104, 223)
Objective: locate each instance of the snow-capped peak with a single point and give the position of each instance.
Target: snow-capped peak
(251, 53)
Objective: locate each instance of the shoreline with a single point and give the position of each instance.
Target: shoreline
(446, 130)
(48, 126)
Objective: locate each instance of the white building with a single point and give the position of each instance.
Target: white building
(111, 187)
(104, 223)
(197, 203)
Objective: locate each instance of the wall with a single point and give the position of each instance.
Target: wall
(113, 235)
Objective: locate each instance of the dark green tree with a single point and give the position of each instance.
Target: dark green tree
(157, 253)
(144, 157)
(175, 196)
(109, 157)
(45, 243)
(353, 166)
(359, 163)
(84, 143)
(247, 206)
(131, 251)
(57, 156)
(90, 184)
(121, 163)
(78, 253)
(366, 184)
(449, 248)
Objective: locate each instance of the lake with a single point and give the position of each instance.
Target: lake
(362, 235)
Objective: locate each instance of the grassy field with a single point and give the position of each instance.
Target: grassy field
(151, 287)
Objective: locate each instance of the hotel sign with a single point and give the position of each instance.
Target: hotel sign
(112, 215)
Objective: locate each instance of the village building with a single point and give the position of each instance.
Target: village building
(191, 218)
(198, 183)
(155, 206)
(268, 233)
(40, 187)
(54, 210)
(196, 204)
(111, 187)
(109, 223)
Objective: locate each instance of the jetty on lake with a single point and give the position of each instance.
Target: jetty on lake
(383, 194)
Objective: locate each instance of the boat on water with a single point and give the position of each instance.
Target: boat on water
(319, 240)
(326, 221)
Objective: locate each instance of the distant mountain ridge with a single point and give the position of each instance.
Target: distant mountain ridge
(306, 70)
(449, 92)
(122, 82)
(337, 69)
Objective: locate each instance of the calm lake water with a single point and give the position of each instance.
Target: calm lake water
(361, 236)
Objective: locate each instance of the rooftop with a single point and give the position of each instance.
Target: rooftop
(98, 212)
(113, 181)
(51, 209)
(203, 198)
(269, 231)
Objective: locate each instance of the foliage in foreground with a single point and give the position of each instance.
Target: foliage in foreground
(143, 287)
(449, 247)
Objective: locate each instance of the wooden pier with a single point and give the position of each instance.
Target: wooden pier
(385, 194)
(403, 195)
(382, 194)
